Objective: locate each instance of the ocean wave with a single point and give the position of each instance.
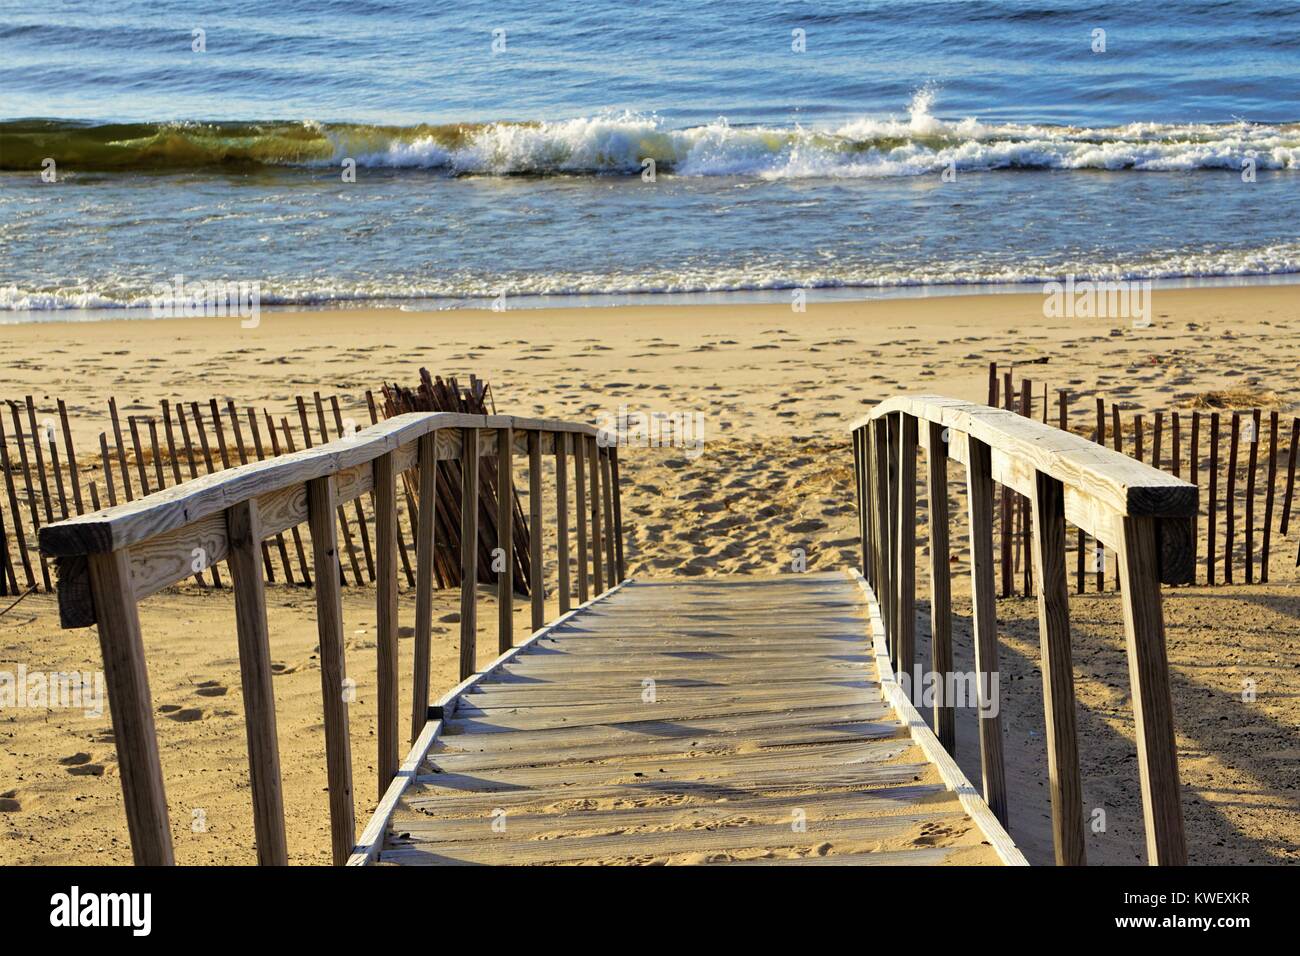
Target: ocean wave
(1274, 260)
(620, 143)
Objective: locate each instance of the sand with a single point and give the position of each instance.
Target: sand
(775, 388)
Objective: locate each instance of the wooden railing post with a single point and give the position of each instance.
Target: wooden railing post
(891, 451)
(505, 541)
(945, 714)
(1144, 629)
(607, 495)
(1048, 504)
(905, 544)
(427, 466)
(860, 493)
(385, 503)
(880, 514)
(536, 584)
(322, 508)
(562, 519)
(979, 493)
(580, 485)
(131, 708)
(244, 533)
(620, 561)
(468, 552)
(593, 453)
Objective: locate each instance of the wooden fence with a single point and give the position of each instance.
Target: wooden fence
(1242, 461)
(110, 560)
(139, 455)
(1143, 514)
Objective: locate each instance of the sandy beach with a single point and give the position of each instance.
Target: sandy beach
(775, 388)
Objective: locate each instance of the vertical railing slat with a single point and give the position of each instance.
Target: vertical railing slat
(1144, 629)
(620, 560)
(905, 545)
(536, 581)
(244, 533)
(562, 519)
(427, 465)
(598, 573)
(385, 505)
(880, 512)
(945, 714)
(505, 540)
(322, 508)
(126, 679)
(607, 496)
(979, 493)
(468, 551)
(580, 488)
(1048, 507)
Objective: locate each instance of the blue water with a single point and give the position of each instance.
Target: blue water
(821, 169)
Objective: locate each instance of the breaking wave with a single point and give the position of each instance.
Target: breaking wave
(620, 143)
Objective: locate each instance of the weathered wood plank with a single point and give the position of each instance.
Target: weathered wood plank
(979, 498)
(424, 545)
(1058, 672)
(386, 618)
(1127, 486)
(322, 507)
(255, 679)
(124, 525)
(126, 679)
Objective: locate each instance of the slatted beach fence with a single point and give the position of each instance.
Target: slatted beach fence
(1242, 457)
(110, 560)
(1143, 514)
(141, 452)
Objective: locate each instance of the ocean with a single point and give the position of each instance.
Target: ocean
(543, 153)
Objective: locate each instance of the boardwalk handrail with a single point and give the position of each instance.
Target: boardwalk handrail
(109, 560)
(1145, 515)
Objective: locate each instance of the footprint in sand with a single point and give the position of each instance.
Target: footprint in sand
(9, 802)
(79, 765)
(279, 667)
(212, 688)
(182, 715)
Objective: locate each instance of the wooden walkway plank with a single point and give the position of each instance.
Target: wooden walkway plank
(684, 721)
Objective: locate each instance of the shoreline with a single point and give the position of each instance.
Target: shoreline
(696, 299)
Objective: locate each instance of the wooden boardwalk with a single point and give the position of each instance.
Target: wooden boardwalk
(706, 721)
(712, 721)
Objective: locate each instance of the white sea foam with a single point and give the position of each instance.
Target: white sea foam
(1273, 260)
(916, 144)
